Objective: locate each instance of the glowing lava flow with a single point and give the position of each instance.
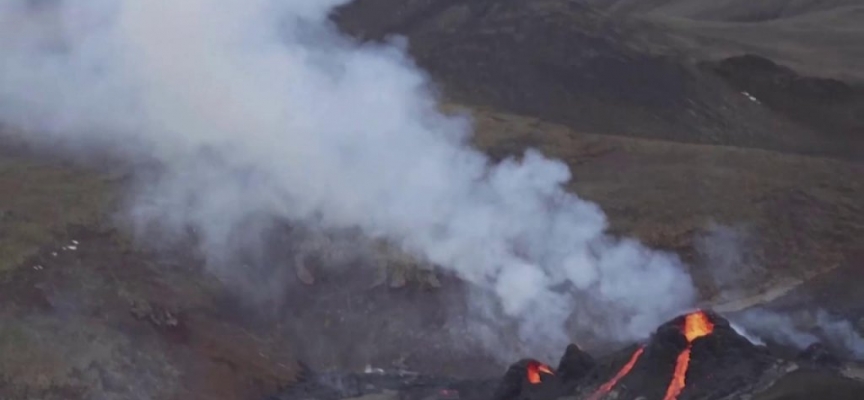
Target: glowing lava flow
(607, 387)
(534, 369)
(696, 325)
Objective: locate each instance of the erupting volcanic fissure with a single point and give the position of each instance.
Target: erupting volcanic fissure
(607, 387)
(696, 325)
(534, 370)
(713, 360)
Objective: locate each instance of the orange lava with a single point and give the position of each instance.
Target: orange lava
(678, 380)
(607, 387)
(696, 325)
(534, 370)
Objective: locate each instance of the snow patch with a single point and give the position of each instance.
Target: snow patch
(750, 96)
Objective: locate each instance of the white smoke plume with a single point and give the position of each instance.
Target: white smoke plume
(840, 332)
(802, 328)
(781, 328)
(732, 258)
(747, 335)
(728, 254)
(258, 109)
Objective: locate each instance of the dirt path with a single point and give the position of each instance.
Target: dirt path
(766, 295)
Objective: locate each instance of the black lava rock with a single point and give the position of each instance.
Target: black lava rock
(575, 364)
(516, 386)
(820, 355)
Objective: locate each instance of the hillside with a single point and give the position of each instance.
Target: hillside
(728, 132)
(156, 317)
(725, 10)
(818, 38)
(565, 62)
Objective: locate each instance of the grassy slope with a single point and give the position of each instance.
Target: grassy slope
(88, 322)
(723, 10)
(815, 37)
(797, 215)
(39, 200)
(562, 62)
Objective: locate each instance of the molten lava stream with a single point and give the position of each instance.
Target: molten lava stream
(678, 381)
(696, 325)
(607, 387)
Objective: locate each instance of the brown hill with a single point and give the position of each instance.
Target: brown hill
(815, 37)
(725, 10)
(566, 62)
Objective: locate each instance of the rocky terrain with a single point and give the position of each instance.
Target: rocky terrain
(694, 356)
(695, 125)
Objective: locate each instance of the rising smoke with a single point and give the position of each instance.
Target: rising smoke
(802, 328)
(260, 109)
(728, 254)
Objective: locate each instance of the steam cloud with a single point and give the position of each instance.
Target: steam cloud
(803, 328)
(259, 108)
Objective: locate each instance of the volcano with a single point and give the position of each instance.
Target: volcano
(694, 356)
